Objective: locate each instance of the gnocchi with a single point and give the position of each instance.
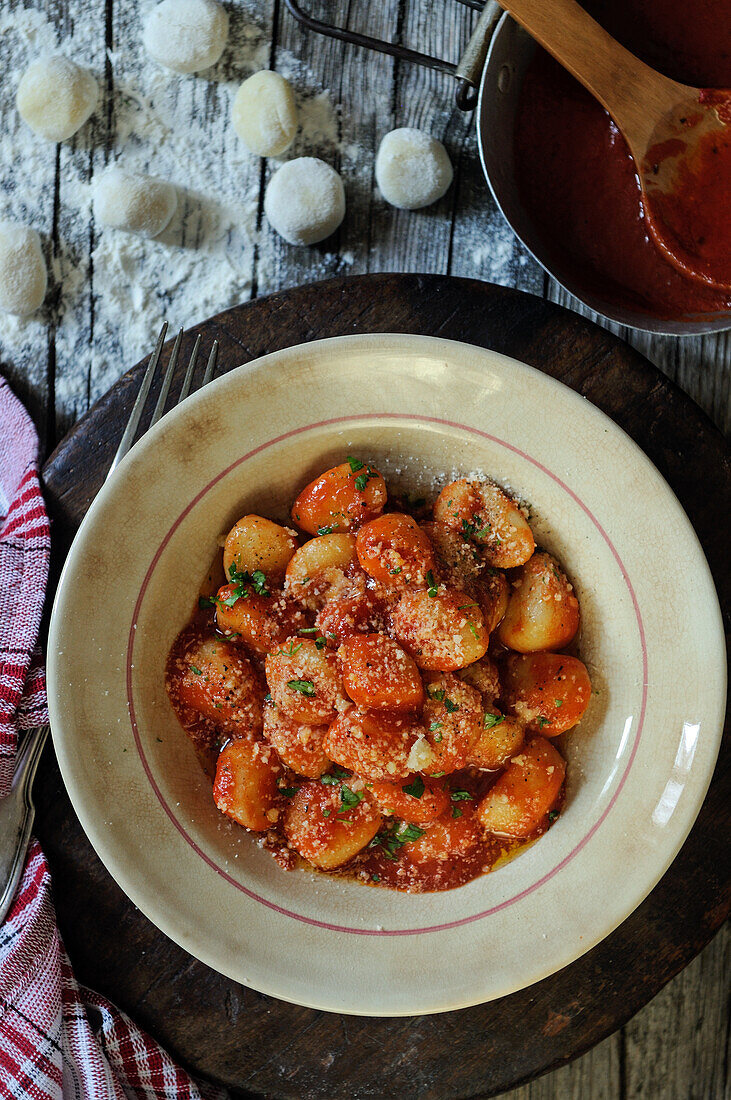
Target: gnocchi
(378, 673)
(525, 792)
(327, 830)
(486, 517)
(542, 611)
(395, 551)
(339, 499)
(378, 694)
(255, 543)
(245, 787)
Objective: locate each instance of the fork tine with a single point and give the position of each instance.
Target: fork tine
(134, 419)
(165, 388)
(185, 389)
(211, 365)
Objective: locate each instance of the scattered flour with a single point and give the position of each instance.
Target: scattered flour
(109, 292)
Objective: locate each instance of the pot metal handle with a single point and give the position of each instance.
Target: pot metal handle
(472, 62)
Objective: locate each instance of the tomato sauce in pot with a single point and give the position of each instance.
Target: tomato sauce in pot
(576, 177)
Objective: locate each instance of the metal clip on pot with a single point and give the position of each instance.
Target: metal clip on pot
(467, 71)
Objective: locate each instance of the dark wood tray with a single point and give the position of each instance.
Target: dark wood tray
(266, 1047)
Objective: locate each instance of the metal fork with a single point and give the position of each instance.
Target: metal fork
(16, 809)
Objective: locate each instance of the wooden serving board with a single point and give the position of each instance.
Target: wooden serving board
(267, 1048)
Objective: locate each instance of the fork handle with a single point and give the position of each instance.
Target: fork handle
(16, 818)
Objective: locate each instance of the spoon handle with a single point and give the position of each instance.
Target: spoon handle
(632, 92)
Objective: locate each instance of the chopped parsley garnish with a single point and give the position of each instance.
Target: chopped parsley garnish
(393, 572)
(349, 798)
(304, 687)
(268, 697)
(473, 628)
(552, 815)
(490, 720)
(241, 581)
(259, 583)
(435, 775)
(326, 813)
(324, 531)
(289, 652)
(464, 605)
(362, 479)
(542, 722)
(436, 693)
(415, 789)
(435, 726)
(320, 642)
(235, 596)
(206, 601)
(354, 464)
(456, 812)
(474, 530)
(375, 878)
(195, 671)
(288, 792)
(461, 796)
(433, 586)
(450, 705)
(395, 837)
(558, 702)
(335, 776)
(308, 630)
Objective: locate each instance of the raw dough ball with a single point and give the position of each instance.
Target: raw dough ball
(305, 200)
(265, 114)
(135, 203)
(186, 35)
(55, 97)
(412, 168)
(22, 269)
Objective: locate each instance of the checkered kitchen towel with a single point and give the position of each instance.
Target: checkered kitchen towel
(57, 1039)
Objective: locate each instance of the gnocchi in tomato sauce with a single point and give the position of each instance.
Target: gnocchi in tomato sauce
(376, 688)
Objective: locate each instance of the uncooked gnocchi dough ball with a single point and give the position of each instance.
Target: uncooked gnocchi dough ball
(55, 97)
(412, 168)
(305, 200)
(22, 269)
(265, 114)
(186, 35)
(135, 203)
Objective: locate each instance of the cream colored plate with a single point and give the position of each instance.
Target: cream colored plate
(422, 410)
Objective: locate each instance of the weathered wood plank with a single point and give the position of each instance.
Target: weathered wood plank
(28, 193)
(355, 91)
(677, 1047)
(674, 1049)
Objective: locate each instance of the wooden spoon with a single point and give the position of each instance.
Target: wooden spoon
(679, 136)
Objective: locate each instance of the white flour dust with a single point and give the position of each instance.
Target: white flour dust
(110, 291)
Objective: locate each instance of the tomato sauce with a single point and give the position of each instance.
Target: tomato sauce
(577, 179)
(345, 797)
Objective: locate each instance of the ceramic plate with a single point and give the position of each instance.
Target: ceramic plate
(422, 410)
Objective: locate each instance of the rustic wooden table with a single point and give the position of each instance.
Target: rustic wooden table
(106, 298)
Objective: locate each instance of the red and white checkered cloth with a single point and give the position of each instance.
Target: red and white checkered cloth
(57, 1039)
